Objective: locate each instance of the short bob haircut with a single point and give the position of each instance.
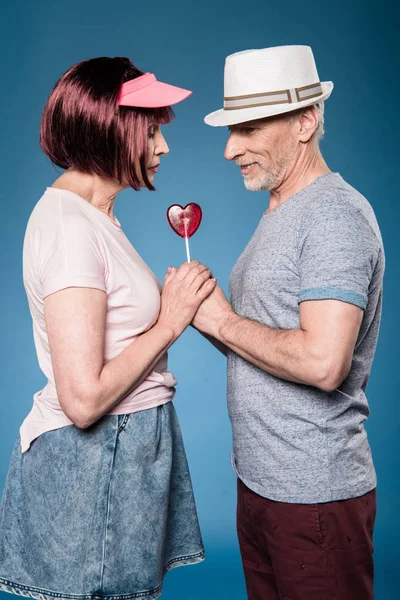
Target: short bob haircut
(83, 127)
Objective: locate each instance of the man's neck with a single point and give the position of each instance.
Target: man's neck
(299, 176)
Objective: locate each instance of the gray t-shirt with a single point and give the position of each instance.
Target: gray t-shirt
(294, 442)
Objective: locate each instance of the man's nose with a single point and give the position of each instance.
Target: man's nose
(233, 148)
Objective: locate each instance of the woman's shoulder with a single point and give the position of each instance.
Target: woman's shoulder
(57, 222)
(56, 211)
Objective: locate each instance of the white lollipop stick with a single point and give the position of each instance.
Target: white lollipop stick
(187, 249)
(187, 240)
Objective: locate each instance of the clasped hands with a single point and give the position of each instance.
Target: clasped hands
(191, 296)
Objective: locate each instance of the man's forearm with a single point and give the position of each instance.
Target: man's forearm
(284, 353)
(216, 343)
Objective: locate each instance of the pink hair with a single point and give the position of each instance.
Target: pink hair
(83, 127)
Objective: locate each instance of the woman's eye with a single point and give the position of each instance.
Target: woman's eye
(151, 134)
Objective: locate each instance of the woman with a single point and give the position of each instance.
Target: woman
(98, 501)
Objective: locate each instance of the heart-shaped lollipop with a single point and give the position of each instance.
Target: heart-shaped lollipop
(185, 221)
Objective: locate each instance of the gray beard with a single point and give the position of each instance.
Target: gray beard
(267, 180)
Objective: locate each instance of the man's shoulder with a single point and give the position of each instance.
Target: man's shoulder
(332, 190)
(335, 199)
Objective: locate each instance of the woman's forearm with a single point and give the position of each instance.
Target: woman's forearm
(125, 372)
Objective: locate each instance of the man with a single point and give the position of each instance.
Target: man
(300, 337)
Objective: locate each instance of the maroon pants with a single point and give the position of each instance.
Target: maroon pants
(306, 551)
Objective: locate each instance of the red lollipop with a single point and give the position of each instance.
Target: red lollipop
(185, 221)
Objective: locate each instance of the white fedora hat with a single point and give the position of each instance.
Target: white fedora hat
(268, 82)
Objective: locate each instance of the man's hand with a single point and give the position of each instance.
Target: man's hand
(212, 313)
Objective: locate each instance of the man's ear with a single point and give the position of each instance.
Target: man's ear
(308, 123)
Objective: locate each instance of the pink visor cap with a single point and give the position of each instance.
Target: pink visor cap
(146, 92)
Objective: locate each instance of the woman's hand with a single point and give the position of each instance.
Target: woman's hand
(184, 290)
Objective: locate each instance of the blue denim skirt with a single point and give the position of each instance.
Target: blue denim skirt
(99, 513)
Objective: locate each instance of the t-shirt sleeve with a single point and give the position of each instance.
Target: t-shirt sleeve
(338, 252)
(72, 256)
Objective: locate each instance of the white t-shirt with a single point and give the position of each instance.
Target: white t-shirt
(71, 243)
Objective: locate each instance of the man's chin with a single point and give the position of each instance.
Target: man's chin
(254, 186)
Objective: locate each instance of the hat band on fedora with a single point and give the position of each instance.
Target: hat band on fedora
(279, 97)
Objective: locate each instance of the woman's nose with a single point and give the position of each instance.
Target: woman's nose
(161, 146)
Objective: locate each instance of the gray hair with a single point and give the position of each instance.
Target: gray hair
(319, 132)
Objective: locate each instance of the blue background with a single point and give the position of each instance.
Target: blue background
(355, 46)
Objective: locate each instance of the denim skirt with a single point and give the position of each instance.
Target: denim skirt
(99, 513)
